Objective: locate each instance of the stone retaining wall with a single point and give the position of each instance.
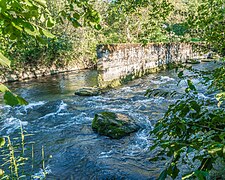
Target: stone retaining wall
(117, 61)
(29, 71)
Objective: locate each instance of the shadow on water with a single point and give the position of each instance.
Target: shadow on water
(61, 122)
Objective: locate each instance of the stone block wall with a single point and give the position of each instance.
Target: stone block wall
(119, 60)
(29, 71)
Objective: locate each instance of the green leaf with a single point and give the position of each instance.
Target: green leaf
(3, 88)
(201, 175)
(3, 6)
(187, 176)
(195, 106)
(98, 27)
(22, 101)
(41, 40)
(17, 26)
(173, 171)
(76, 24)
(76, 15)
(10, 99)
(2, 142)
(224, 151)
(33, 32)
(157, 128)
(180, 74)
(154, 159)
(4, 61)
(30, 29)
(162, 175)
(214, 150)
(191, 85)
(41, 2)
(47, 33)
(1, 172)
(182, 127)
(28, 3)
(50, 23)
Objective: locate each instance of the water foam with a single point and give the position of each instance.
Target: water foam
(11, 124)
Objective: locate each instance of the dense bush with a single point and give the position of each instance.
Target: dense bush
(192, 132)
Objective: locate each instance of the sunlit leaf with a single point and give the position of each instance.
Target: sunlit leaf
(17, 26)
(76, 24)
(41, 2)
(50, 23)
(98, 27)
(3, 88)
(10, 98)
(1, 172)
(47, 33)
(215, 150)
(76, 15)
(2, 141)
(22, 101)
(4, 61)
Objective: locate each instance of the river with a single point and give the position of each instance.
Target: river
(61, 123)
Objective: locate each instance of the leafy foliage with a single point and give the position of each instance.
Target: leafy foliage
(206, 22)
(193, 126)
(151, 14)
(4, 61)
(23, 21)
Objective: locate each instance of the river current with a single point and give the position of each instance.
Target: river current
(61, 123)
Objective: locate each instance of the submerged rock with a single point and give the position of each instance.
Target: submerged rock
(88, 91)
(193, 61)
(114, 125)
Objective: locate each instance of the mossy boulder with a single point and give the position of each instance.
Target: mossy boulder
(114, 125)
(88, 91)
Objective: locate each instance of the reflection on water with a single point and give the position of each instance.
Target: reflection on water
(61, 122)
(58, 85)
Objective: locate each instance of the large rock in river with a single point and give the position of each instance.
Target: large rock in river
(88, 91)
(114, 125)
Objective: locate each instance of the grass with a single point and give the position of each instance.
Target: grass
(18, 158)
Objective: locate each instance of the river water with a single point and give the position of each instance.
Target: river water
(61, 123)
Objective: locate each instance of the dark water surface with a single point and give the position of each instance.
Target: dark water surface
(61, 122)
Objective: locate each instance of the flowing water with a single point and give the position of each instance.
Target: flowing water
(61, 123)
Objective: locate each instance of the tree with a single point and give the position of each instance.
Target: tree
(32, 18)
(207, 23)
(137, 21)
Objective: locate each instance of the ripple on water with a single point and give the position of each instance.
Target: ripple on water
(162, 80)
(11, 124)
